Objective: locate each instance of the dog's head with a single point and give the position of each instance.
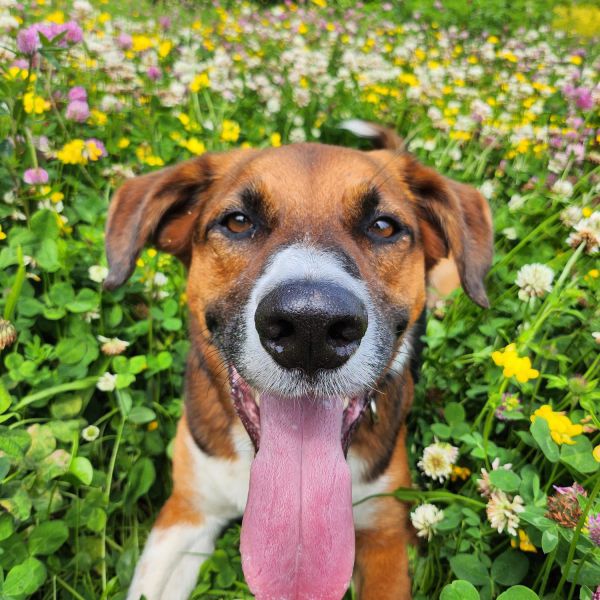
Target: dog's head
(307, 271)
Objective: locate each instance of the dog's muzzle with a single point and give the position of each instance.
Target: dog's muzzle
(310, 325)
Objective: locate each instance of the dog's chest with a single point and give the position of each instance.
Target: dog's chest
(221, 485)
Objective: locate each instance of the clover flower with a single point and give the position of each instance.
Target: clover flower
(587, 231)
(8, 334)
(484, 484)
(107, 382)
(562, 429)
(514, 365)
(563, 507)
(90, 433)
(563, 188)
(78, 111)
(425, 518)
(37, 176)
(510, 407)
(535, 280)
(437, 460)
(594, 528)
(596, 595)
(503, 512)
(97, 273)
(112, 346)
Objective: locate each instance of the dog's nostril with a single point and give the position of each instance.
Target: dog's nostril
(277, 330)
(345, 331)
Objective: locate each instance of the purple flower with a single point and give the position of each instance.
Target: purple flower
(585, 100)
(28, 41)
(164, 22)
(35, 176)
(74, 32)
(124, 41)
(77, 93)
(510, 407)
(78, 111)
(594, 529)
(571, 490)
(596, 595)
(154, 73)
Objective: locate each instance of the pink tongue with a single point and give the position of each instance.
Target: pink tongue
(297, 540)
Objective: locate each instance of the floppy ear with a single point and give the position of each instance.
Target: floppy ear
(455, 220)
(160, 208)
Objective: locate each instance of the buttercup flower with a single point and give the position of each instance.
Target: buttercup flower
(535, 280)
(514, 365)
(438, 460)
(35, 176)
(562, 429)
(80, 152)
(230, 131)
(596, 453)
(425, 518)
(524, 543)
(503, 513)
(112, 346)
(107, 382)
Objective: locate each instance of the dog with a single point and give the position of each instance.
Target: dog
(307, 271)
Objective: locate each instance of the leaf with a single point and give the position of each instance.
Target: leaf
(24, 579)
(141, 478)
(507, 481)
(48, 537)
(141, 415)
(469, 567)
(541, 434)
(518, 592)
(454, 413)
(7, 526)
(510, 567)
(82, 468)
(459, 590)
(579, 456)
(14, 442)
(549, 540)
(441, 430)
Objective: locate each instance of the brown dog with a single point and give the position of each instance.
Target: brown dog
(307, 288)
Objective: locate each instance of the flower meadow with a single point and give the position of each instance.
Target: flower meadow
(505, 431)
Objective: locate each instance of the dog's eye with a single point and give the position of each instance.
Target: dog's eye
(237, 223)
(385, 229)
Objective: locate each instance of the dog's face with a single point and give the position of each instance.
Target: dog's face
(307, 271)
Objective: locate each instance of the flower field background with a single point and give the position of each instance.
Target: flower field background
(505, 431)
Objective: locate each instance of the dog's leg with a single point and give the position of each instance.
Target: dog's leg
(382, 565)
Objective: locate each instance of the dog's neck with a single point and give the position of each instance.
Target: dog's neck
(211, 416)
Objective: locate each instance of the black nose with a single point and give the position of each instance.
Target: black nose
(311, 325)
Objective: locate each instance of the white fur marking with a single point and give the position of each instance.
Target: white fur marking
(364, 512)
(359, 127)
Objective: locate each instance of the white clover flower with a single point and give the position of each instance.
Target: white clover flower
(587, 231)
(503, 513)
(160, 279)
(90, 433)
(516, 202)
(112, 346)
(596, 336)
(562, 187)
(570, 216)
(484, 484)
(425, 518)
(97, 273)
(510, 233)
(438, 460)
(535, 280)
(91, 315)
(487, 189)
(107, 382)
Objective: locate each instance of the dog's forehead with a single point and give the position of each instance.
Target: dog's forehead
(302, 177)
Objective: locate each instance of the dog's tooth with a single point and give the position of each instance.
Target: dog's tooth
(373, 406)
(346, 402)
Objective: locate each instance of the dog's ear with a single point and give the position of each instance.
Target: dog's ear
(159, 208)
(455, 220)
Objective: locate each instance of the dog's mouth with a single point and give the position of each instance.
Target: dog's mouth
(297, 539)
(246, 401)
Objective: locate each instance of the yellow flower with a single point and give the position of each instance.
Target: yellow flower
(514, 365)
(98, 117)
(35, 104)
(94, 152)
(152, 252)
(194, 145)
(524, 542)
(144, 154)
(302, 29)
(596, 453)
(164, 48)
(72, 153)
(587, 212)
(575, 59)
(56, 197)
(3, 237)
(123, 143)
(562, 429)
(200, 82)
(460, 473)
(58, 16)
(140, 43)
(230, 131)
(275, 140)
(153, 425)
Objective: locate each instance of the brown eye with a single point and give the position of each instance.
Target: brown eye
(237, 223)
(383, 229)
